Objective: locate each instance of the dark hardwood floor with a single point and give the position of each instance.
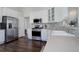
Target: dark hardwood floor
(22, 45)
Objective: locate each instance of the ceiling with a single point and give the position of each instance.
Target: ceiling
(36, 8)
(17, 8)
(28, 8)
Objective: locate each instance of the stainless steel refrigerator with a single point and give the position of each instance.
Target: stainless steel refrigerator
(11, 28)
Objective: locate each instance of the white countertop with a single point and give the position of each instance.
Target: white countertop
(65, 43)
(62, 44)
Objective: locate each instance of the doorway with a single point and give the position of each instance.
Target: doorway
(26, 24)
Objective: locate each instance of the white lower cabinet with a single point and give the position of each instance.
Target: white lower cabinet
(29, 33)
(74, 32)
(44, 34)
(2, 36)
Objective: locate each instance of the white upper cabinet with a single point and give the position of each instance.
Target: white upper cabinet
(57, 14)
(60, 13)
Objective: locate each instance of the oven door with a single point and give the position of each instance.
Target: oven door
(36, 33)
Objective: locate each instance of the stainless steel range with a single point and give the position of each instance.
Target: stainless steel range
(36, 34)
(36, 30)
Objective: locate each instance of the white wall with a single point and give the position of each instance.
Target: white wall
(9, 12)
(26, 12)
(39, 14)
(21, 26)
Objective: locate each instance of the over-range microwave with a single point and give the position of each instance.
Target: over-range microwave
(37, 20)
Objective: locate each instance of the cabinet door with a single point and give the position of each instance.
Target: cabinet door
(74, 32)
(29, 33)
(44, 34)
(2, 36)
(60, 13)
(51, 14)
(0, 14)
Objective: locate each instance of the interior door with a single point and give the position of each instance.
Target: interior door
(26, 24)
(27, 21)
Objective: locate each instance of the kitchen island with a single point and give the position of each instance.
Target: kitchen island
(62, 43)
